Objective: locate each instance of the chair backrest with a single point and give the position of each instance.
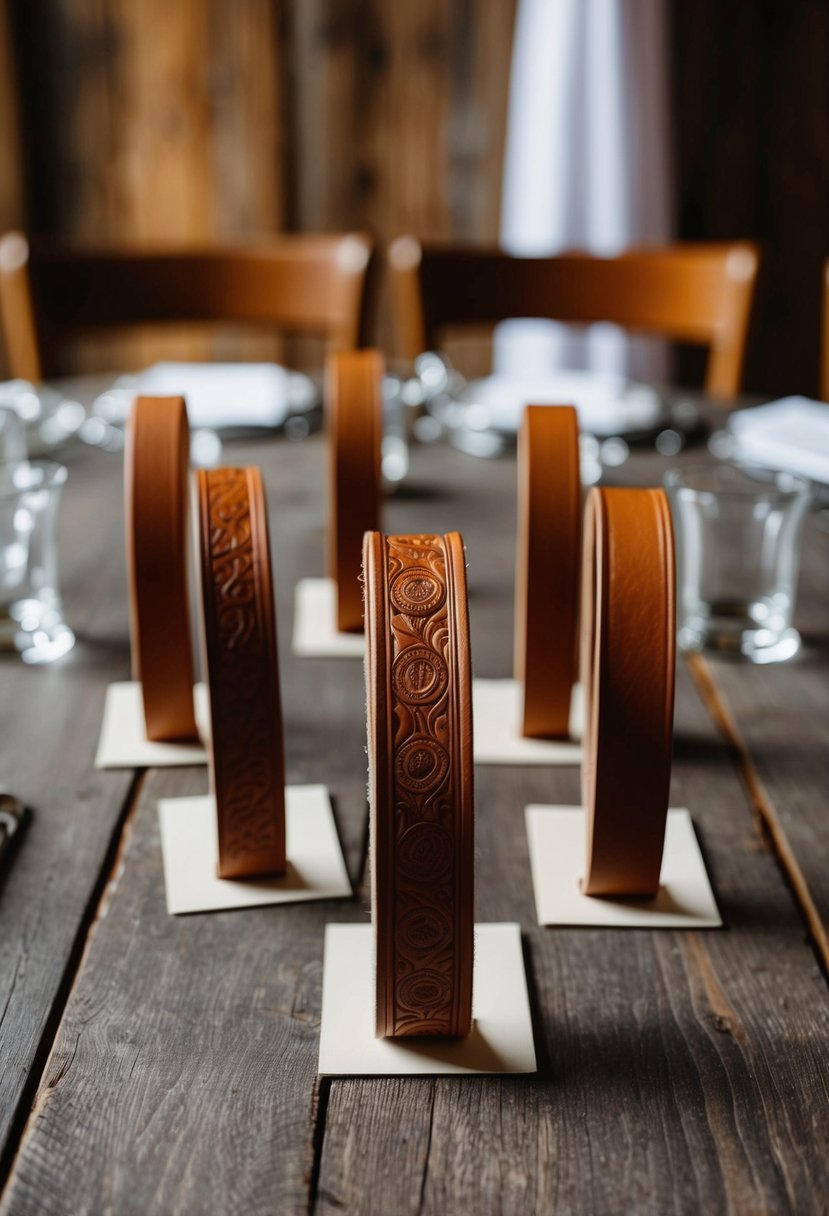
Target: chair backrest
(297, 284)
(824, 359)
(700, 294)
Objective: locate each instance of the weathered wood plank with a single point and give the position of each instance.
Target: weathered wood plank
(778, 716)
(49, 719)
(679, 1072)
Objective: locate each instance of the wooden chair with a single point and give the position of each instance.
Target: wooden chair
(296, 284)
(699, 294)
(824, 376)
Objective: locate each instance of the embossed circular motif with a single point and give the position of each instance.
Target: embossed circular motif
(422, 930)
(425, 853)
(416, 591)
(419, 675)
(421, 764)
(426, 990)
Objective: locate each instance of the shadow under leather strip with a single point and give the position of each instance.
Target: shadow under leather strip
(418, 685)
(548, 567)
(628, 671)
(241, 666)
(156, 473)
(354, 417)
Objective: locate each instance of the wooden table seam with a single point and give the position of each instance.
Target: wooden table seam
(717, 705)
(32, 1093)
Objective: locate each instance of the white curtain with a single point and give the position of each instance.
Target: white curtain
(587, 163)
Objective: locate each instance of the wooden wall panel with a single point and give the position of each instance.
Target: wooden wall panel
(751, 95)
(159, 122)
(202, 119)
(198, 119)
(399, 118)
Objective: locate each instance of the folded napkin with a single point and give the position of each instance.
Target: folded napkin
(607, 403)
(231, 394)
(790, 434)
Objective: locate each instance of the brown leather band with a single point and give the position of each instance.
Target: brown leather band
(247, 765)
(628, 671)
(549, 562)
(418, 687)
(354, 413)
(156, 476)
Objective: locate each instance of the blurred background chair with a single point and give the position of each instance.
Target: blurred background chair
(298, 285)
(697, 294)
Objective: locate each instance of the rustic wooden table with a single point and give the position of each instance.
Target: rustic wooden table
(151, 1064)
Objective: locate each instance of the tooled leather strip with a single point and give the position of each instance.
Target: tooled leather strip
(239, 634)
(628, 670)
(418, 685)
(548, 568)
(354, 416)
(156, 474)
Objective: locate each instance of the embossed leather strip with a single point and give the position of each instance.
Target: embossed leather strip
(156, 464)
(549, 562)
(628, 670)
(418, 686)
(247, 764)
(354, 414)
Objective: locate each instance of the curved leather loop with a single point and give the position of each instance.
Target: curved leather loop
(628, 671)
(156, 477)
(239, 634)
(549, 562)
(354, 415)
(418, 686)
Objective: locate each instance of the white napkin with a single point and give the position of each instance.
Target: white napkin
(231, 394)
(607, 403)
(790, 434)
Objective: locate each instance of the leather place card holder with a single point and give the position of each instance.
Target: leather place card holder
(538, 717)
(501, 1038)
(189, 844)
(328, 613)
(123, 741)
(422, 989)
(252, 840)
(498, 738)
(158, 719)
(624, 859)
(557, 840)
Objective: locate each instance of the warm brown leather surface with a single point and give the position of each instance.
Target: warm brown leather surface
(549, 563)
(354, 418)
(156, 477)
(628, 670)
(247, 766)
(418, 686)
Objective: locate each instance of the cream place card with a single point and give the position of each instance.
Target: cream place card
(189, 844)
(315, 623)
(496, 709)
(501, 1040)
(123, 741)
(557, 837)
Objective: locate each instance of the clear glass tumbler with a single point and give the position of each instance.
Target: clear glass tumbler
(737, 534)
(12, 434)
(31, 614)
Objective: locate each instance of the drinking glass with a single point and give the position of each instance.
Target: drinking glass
(31, 614)
(12, 434)
(737, 534)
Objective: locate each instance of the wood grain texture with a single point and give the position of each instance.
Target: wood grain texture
(778, 717)
(678, 1072)
(49, 721)
(750, 97)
